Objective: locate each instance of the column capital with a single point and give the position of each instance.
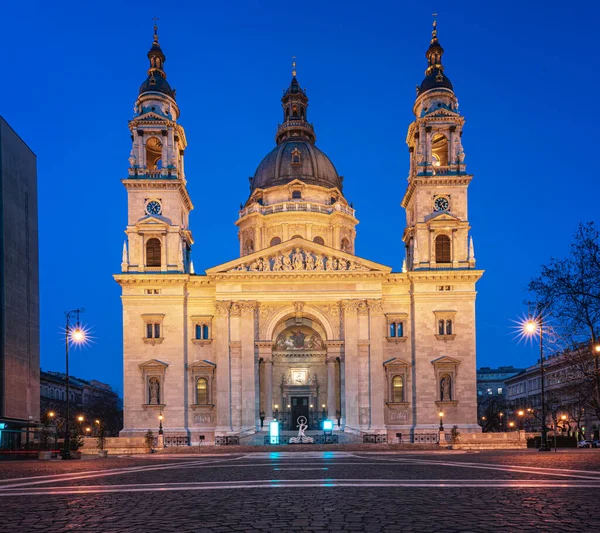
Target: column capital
(222, 307)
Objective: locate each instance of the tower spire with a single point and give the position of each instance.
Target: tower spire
(293, 66)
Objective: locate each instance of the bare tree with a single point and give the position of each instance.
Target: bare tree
(568, 290)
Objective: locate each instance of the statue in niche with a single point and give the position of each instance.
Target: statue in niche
(287, 264)
(445, 388)
(285, 380)
(313, 380)
(154, 391)
(310, 262)
(277, 265)
(320, 262)
(298, 260)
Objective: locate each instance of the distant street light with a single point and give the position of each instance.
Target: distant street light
(75, 335)
(531, 327)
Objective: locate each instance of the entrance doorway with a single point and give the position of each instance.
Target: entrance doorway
(299, 408)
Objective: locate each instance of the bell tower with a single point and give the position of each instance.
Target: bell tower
(158, 235)
(437, 227)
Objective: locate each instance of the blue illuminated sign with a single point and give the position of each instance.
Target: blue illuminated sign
(274, 432)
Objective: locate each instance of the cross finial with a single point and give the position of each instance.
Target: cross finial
(294, 66)
(155, 19)
(434, 31)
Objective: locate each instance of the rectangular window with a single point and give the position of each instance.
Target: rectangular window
(149, 330)
(198, 331)
(205, 332)
(392, 330)
(157, 331)
(400, 329)
(499, 390)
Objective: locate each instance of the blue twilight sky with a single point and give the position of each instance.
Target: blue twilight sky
(524, 73)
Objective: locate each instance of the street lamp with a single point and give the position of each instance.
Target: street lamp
(531, 327)
(511, 425)
(501, 414)
(521, 414)
(441, 415)
(160, 419)
(75, 335)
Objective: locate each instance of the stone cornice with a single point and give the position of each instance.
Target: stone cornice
(153, 183)
(440, 275)
(140, 278)
(311, 275)
(428, 181)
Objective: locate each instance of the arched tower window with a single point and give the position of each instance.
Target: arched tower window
(275, 241)
(318, 240)
(442, 249)
(202, 391)
(439, 150)
(249, 246)
(154, 153)
(295, 111)
(153, 253)
(397, 389)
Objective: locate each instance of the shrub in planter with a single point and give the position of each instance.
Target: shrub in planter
(149, 440)
(101, 442)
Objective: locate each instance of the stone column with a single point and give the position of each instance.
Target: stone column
(249, 416)
(377, 333)
(221, 347)
(333, 354)
(331, 403)
(337, 244)
(351, 365)
(265, 352)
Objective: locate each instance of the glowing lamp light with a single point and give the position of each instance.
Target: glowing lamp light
(530, 327)
(160, 417)
(597, 348)
(80, 418)
(511, 424)
(323, 406)
(563, 417)
(441, 414)
(87, 430)
(521, 412)
(51, 414)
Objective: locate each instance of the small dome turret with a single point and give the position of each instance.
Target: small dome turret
(434, 74)
(157, 78)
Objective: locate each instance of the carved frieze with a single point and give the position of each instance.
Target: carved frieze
(298, 260)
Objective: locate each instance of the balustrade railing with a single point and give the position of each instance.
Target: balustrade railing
(296, 206)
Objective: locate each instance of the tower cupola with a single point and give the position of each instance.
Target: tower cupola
(157, 78)
(295, 103)
(435, 78)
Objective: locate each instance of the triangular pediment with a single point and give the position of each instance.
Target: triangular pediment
(445, 360)
(153, 364)
(299, 255)
(396, 361)
(154, 221)
(442, 216)
(202, 365)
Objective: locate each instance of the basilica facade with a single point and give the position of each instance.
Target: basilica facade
(298, 325)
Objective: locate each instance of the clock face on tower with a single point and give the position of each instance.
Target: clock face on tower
(441, 203)
(153, 208)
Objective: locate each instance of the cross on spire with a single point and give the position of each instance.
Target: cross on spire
(294, 66)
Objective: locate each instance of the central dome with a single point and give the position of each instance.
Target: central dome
(296, 160)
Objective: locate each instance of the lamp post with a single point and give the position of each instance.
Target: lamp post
(501, 415)
(76, 335)
(160, 428)
(530, 327)
(521, 414)
(441, 415)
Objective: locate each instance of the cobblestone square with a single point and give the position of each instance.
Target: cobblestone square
(306, 491)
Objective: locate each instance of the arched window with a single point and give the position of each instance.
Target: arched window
(439, 151)
(153, 153)
(275, 241)
(294, 111)
(205, 331)
(345, 245)
(400, 329)
(448, 327)
(202, 391)
(153, 252)
(442, 249)
(296, 236)
(393, 329)
(397, 389)
(441, 327)
(319, 240)
(297, 194)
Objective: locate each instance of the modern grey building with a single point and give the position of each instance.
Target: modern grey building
(19, 284)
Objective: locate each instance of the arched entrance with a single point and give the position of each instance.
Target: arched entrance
(300, 373)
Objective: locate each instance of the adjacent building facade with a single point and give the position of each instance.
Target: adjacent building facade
(298, 321)
(19, 289)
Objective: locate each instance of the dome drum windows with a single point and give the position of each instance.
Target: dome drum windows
(319, 240)
(296, 158)
(275, 241)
